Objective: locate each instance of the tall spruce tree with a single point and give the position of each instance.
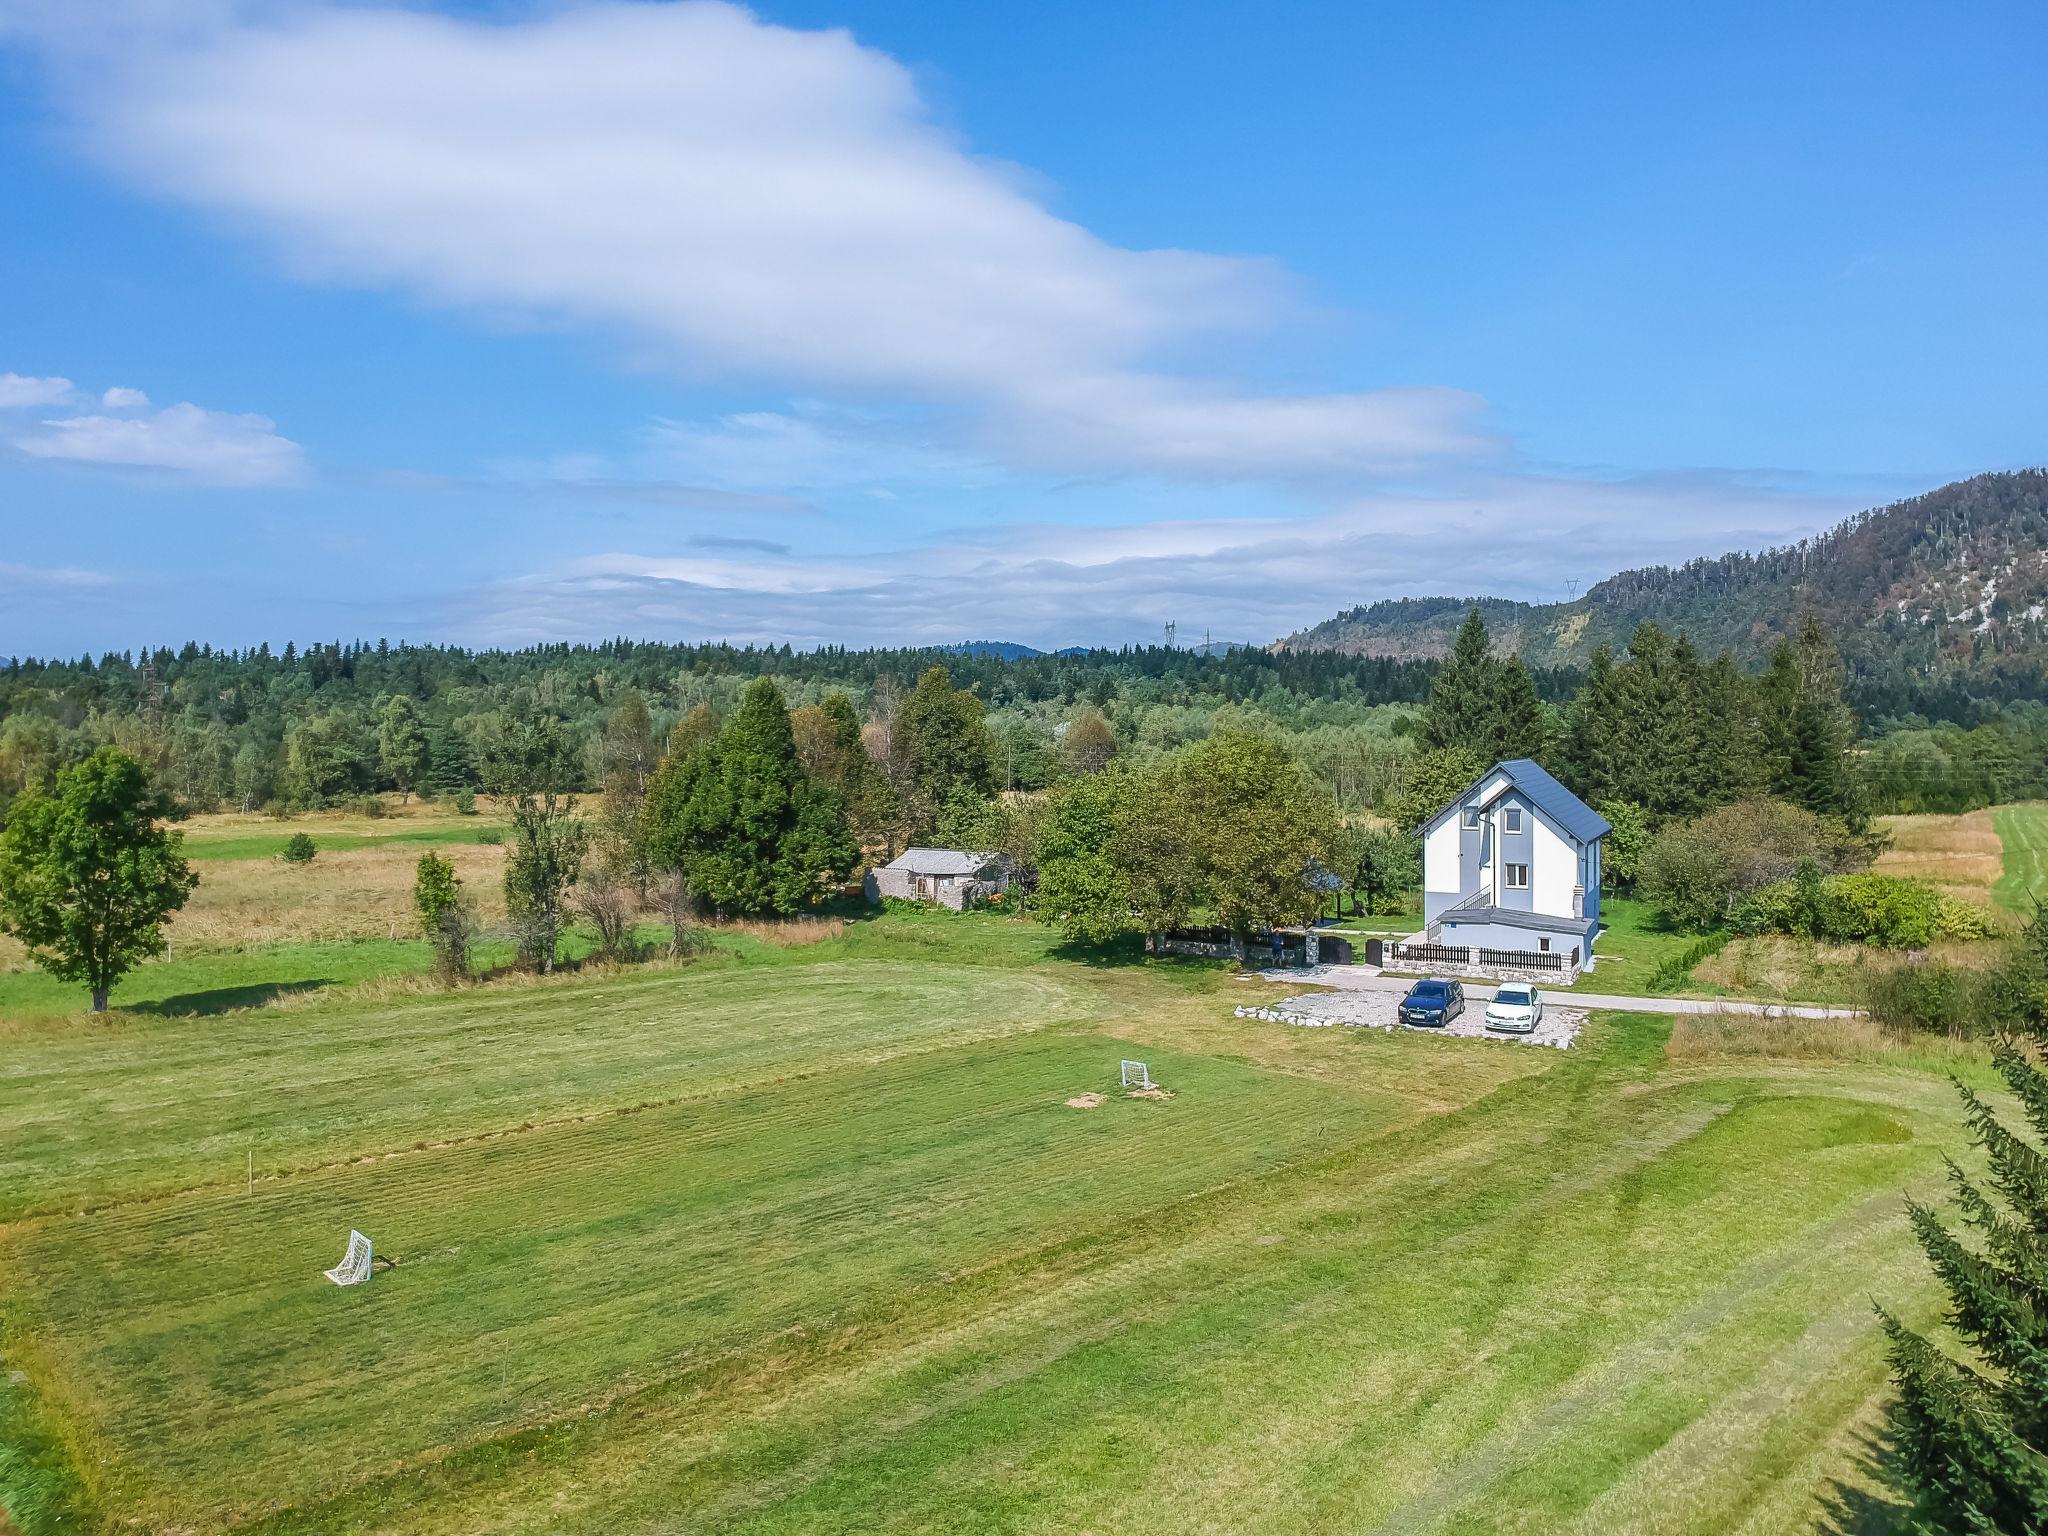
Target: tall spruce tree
(1464, 695)
(1973, 1435)
(1518, 726)
(743, 822)
(1589, 728)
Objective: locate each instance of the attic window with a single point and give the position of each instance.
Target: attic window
(1512, 819)
(1471, 818)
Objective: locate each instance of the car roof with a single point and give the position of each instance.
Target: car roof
(1515, 988)
(1431, 983)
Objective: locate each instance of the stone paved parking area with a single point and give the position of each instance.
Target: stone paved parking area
(1375, 1010)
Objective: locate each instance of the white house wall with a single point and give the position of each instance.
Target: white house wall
(1557, 870)
(1440, 874)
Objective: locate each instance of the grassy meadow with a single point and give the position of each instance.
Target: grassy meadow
(827, 1230)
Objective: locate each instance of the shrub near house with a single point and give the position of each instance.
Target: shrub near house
(1885, 910)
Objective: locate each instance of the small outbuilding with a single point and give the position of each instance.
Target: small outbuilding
(954, 878)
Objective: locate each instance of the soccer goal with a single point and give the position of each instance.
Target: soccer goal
(354, 1267)
(1135, 1075)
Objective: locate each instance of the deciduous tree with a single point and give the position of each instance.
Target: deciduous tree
(403, 750)
(87, 875)
(532, 764)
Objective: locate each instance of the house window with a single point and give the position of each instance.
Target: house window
(1471, 818)
(1518, 877)
(1543, 946)
(1512, 819)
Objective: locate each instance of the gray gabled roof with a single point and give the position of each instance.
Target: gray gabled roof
(941, 861)
(1544, 792)
(1514, 917)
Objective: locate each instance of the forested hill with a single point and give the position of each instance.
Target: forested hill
(1939, 603)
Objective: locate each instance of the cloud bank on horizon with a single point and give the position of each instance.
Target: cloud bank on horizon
(751, 205)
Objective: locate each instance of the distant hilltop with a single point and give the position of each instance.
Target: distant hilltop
(1932, 598)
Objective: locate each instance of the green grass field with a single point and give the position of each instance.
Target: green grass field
(811, 1241)
(203, 847)
(2023, 832)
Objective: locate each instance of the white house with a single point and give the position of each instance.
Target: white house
(948, 877)
(1513, 864)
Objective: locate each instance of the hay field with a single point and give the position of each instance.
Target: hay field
(810, 1239)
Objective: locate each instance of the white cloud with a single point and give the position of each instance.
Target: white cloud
(1243, 579)
(121, 398)
(740, 200)
(208, 447)
(18, 390)
(16, 576)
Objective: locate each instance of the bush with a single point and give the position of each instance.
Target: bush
(447, 915)
(465, 802)
(298, 849)
(1677, 971)
(1964, 921)
(1698, 872)
(1884, 910)
(1940, 999)
(369, 805)
(490, 837)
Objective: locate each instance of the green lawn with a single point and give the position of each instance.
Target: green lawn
(203, 846)
(2023, 830)
(810, 1241)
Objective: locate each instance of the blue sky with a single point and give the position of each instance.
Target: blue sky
(865, 322)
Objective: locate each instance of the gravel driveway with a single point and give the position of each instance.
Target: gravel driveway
(1356, 1009)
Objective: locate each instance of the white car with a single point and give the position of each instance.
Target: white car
(1515, 1009)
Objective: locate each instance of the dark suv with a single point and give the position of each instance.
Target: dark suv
(1432, 1004)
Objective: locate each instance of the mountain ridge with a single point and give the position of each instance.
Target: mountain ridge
(1939, 603)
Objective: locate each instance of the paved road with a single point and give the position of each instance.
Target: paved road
(1363, 978)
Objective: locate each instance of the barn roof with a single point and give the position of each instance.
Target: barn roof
(941, 861)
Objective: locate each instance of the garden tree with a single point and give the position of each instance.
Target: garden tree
(829, 746)
(1972, 1435)
(1380, 865)
(1259, 826)
(403, 751)
(1817, 728)
(943, 737)
(1157, 849)
(1081, 885)
(446, 913)
(1433, 781)
(87, 876)
(1695, 872)
(1089, 743)
(743, 822)
(531, 765)
(1621, 852)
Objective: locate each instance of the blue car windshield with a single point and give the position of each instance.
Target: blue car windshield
(1430, 991)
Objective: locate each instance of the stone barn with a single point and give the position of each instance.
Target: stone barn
(946, 877)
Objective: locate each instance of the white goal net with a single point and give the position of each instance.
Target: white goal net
(354, 1267)
(1135, 1075)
